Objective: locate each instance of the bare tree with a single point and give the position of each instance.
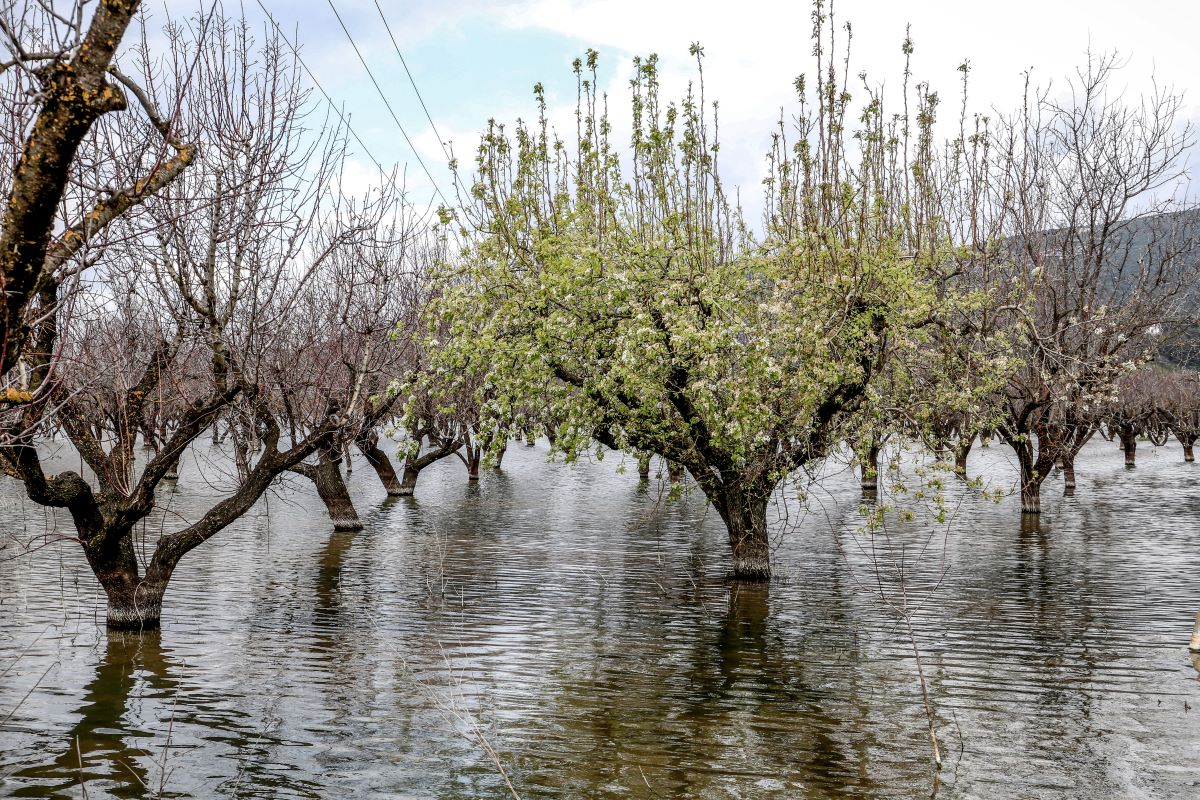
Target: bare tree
(1095, 261)
(68, 66)
(192, 294)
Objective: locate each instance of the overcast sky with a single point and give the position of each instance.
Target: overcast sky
(473, 60)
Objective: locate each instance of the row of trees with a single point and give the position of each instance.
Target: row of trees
(1003, 280)
(193, 269)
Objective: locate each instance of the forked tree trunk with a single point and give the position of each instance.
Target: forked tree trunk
(368, 444)
(134, 601)
(408, 484)
(1031, 477)
(745, 515)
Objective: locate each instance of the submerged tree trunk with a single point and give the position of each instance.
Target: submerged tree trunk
(1188, 443)
(331, 488)
(674, 471)
(643, 462)
(368, 444)
(870, 470)
(408, 484)
(1031, 476)
(134, 601)
(1129, 445)
(962, 449)
(333, 492)
(499, 459)
(745, 515)
(1068, 468)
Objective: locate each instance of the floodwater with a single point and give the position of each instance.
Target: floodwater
(563, 628)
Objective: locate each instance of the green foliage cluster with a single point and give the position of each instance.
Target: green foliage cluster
(620, 294)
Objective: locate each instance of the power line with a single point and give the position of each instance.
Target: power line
(417, 91)
(321, 89)
(387, 104)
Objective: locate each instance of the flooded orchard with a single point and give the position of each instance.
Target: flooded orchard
(570, 631)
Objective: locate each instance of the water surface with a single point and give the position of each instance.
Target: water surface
(579, 631)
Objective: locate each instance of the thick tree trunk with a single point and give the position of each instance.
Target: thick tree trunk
(745, 516)
(1129, 445)
(333, 492)
(379, 461)
(1068, 468)
(134, 601)
(408, 485)
(500, 458)
(1188, 441)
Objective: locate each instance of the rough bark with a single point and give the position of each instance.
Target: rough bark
(331, 488)
(76, 93)
(408, 485)
(368, 444)
(744, 512)
(474, 459)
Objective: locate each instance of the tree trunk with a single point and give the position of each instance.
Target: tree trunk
(1129, 445)
(500, 458)
(368, 444)
(870, 471)
(1188, 443)
(1068, 468)
(333, 492)
(643, 462)
(408, 485)
(172, 473)
(1031, 478)
(745, 516)
(674, 471)
(962, 449)
(474, 458)
(134, 602)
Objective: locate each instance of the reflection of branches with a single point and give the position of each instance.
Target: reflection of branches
(454, 709)
(891, 564)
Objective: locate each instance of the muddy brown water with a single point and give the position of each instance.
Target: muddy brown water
(578, 631)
